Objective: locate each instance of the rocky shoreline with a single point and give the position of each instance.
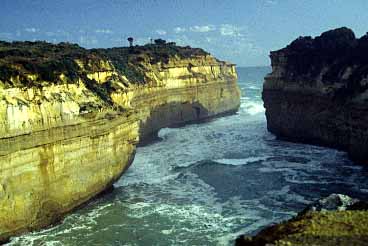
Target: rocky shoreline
(71, 118)
(334, 220)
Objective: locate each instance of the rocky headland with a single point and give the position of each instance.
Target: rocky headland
(317, 93)
(70, 118)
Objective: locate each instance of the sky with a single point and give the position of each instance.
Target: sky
(239, 31)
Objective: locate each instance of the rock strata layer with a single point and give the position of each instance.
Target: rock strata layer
(317, 92)
(70, 118)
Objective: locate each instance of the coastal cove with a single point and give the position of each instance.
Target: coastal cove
(183, 123)
(205, 184)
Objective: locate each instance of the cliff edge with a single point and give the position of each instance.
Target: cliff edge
(317, 92)
(70, 118)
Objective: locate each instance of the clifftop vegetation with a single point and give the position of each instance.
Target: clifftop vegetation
(19, 61)
(335, 55)
(130, 60)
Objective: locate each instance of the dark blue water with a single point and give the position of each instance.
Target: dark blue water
(205, 184)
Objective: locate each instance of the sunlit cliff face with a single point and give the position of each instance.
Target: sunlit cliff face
(69, 133)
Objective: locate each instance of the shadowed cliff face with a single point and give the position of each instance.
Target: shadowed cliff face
(317, 92)
(70, 118)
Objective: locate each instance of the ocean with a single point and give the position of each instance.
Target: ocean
(205, 184)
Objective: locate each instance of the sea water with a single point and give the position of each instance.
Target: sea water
(205, 184)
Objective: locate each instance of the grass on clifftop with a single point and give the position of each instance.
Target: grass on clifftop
(48, 61)
(130, 60)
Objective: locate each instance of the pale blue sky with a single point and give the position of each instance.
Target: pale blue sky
(241, 31)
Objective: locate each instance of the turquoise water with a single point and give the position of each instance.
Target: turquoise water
(204, 184)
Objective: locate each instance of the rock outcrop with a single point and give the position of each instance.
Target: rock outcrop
(318, 225)
(333, 202)
(70, 118)
(317, 92)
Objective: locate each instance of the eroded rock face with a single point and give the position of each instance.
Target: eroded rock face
(317, 92)
(53, 156)
(182, 91)
(70, 118)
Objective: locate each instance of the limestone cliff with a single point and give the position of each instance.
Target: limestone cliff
(70, 118)
(317, 92)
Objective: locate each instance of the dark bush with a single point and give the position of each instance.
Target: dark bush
(160, 41)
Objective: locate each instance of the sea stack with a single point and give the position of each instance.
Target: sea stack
(317, 92)
(70, 118)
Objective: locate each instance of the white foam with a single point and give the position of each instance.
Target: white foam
(183, 147)
(237, 162)
(253, 107)
(245, 98)
(253, 87)
(72, 223)
(167, 232)
(198, 221)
